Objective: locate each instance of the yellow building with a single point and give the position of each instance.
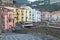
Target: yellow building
(20, 14)
(27, 14)
(15, 13)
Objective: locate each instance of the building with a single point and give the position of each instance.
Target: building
(8, 18)
(20, 14)
(27, 14)
(57, 15)
(45, 16)
(36, 15)
(53, 18)
(14, 12)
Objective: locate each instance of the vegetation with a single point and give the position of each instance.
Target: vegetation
(50, 7)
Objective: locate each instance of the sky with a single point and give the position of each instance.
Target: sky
(31, 0)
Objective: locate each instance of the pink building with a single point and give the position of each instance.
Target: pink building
(8, 17)
(45, 15)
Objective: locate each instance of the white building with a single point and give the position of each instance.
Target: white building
(36, 15)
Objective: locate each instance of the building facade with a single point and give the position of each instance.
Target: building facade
(27, 14)
(8, 18)
(56, 16)
(14, 12)
(45, 16)
(36, 15)
(20, 14)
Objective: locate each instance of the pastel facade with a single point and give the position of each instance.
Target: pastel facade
(36, 15)
(27, 14)
(45, 16)
(20, 14)
(14, 11)
(6, 23)
(57, 13)
(9, 20)
(53, 18)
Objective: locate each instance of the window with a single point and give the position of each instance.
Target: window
(22, 17)
(26, 11)
(29, 11)
(38, 13)
(26, 19)
(13, 20)
(9, 20)
(22, 14)
(22, 11)
(29, 14)
(30, 18)
(17, 17)
(17, 13)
